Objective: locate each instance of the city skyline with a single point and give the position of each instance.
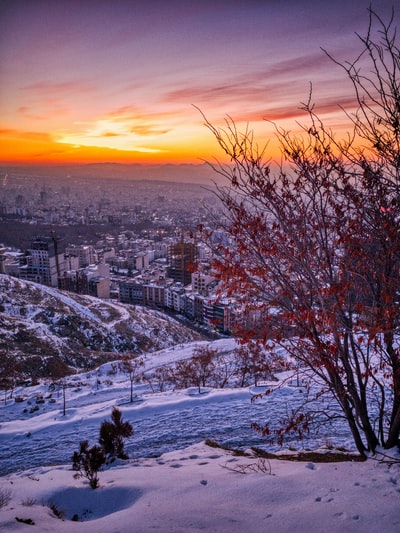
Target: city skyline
(124, 82)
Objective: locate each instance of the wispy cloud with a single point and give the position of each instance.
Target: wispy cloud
(115, 133)
(49, 100)
(47, 87)
(322, 107)
(27, 135)
(110, 134)
(123, 128)
(28, 112)
(277, 82)
(148, 130)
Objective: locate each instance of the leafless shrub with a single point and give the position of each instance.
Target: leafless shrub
(29, 502)
(262, 465)
(5, 497)
(59, 513)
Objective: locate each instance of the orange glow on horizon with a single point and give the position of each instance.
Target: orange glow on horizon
(26, 150)
(35, 148)
(19, 148)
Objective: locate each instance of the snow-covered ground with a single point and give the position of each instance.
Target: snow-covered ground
(192, 490)
(191, 486)
(162, 421)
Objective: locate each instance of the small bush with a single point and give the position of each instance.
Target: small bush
(28, 502)
(112, 435)
(87, 462)
(56, 511)
(5, 497)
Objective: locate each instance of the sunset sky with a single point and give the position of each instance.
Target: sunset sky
(96, 81)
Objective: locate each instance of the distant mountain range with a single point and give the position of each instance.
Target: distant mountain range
(51, 331)
(201, 173)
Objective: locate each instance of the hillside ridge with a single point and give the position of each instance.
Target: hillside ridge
(49, 330)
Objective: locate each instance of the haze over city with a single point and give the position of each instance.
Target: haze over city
(123, 82)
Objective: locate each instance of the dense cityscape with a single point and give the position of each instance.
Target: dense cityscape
(134, 241)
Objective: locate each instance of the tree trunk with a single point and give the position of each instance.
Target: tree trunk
(64, 400)
(348, 413)
(394, 432)
(394, 428)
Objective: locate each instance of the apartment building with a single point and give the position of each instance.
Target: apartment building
(85, 253)
(203, 283)
(44, 262)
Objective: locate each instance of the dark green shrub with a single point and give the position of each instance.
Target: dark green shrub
(112, 435)
(87, 462)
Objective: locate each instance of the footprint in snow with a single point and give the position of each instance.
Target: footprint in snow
(326, 500)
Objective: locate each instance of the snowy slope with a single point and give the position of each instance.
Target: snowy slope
(33, 434)
(192, 487)
(192, 490)
(173, 481)
(81, 331)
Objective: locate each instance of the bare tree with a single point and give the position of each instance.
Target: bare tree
(224, 372)
(252, 363)
(130, 364)
(63, 384)
(203, 365)
(315, 244)
(159, 379)
(9, 368)
(198, 370)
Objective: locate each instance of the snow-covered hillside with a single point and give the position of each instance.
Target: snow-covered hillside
(192, 486)
(34, 430)
(173, 480)
(42, 324)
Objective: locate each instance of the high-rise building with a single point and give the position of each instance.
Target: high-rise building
(44, 262)
(182, 257)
